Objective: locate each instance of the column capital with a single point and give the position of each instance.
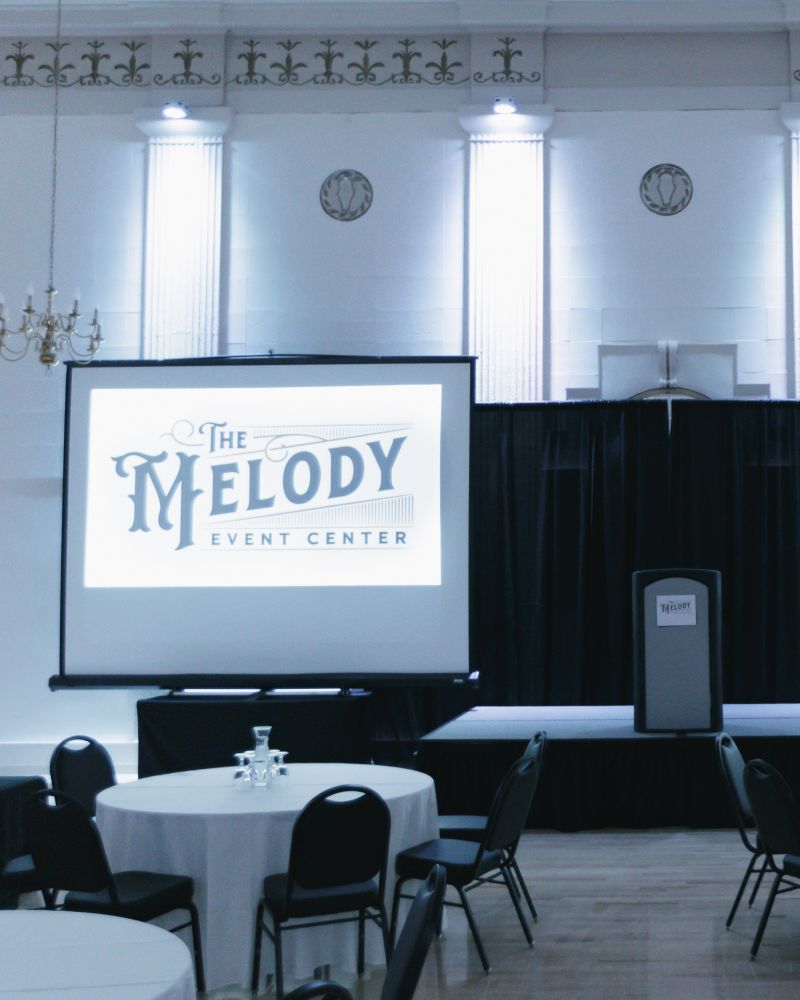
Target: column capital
(202, 122)
(527, 120)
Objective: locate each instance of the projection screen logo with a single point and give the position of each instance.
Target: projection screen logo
(263, 487)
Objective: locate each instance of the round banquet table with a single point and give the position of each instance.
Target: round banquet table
(87, 956)
(197, 823)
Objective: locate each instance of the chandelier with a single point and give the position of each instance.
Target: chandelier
(50, 334)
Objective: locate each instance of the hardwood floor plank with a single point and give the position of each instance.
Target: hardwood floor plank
(622, 916)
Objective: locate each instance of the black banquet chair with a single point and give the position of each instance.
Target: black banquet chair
(337, 865)
(473, 827)
(17, 873)
(777, 815)
(82, 771)
(69, 855)
(732, 766)
(408, 956)
(468, 863)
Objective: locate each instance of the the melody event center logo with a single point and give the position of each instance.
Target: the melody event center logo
(288, 486)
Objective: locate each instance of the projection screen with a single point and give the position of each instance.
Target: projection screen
(260, 522)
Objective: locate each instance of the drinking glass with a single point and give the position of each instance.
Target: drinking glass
(281, 768)
(243, 775)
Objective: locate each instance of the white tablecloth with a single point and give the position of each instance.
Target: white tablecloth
(196, 823)
(86, 956)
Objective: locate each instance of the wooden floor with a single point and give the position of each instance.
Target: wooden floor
(622, 916)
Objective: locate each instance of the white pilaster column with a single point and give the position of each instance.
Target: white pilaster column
(180, 309)
(790, 115)
(505, 315)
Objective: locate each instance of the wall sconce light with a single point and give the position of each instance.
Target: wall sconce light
(175, 110)
(505, 106)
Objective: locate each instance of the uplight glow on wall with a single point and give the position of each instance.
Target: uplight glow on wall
(506, 266)
(182, 262)
(794, 125)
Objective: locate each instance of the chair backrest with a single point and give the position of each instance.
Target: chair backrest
(341, 837)
(731, 763)
(408, 956)
(65, 844)
(82, 771)
(511, 805)
(775, 809)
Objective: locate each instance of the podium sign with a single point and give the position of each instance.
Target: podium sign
(677, 635)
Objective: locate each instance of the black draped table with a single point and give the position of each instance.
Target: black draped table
(182, 731)
(597, 771)
(13, 793)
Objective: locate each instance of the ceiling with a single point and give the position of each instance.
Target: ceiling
(80, 16)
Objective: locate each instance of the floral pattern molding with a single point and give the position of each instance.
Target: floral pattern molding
(379, 61)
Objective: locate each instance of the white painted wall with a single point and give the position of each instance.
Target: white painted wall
(715, 273)
(387, 283)
(98, 247)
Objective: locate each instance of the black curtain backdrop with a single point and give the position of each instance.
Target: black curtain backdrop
(735, 502)
(568, 499)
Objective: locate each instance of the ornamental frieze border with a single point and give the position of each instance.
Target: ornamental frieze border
(383, 61)
(86, 63)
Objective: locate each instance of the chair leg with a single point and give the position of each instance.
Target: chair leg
(395, 907)
(765, 916)
(515, 900)
(257, 948)
(524, 888)
(387, 938)
(199, 971)
(474, 929)
(757, 886)
(740, 893)
(360, 964)
(277, 941)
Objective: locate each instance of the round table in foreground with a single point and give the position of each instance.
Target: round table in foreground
(197, 823)
(87, 956)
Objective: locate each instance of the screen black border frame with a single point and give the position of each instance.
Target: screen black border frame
(260, 681)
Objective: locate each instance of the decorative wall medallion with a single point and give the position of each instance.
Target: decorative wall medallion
(666, 189)
(345, 195)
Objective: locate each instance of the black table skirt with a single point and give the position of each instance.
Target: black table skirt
(595, 784)
(14, 791)
(182, 732)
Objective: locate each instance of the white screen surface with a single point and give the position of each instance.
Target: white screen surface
(185, 490)
(267, 520)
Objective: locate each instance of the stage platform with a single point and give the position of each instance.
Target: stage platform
(598, 771)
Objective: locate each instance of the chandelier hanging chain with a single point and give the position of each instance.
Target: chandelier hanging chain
(54, 163)
(49, 333)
